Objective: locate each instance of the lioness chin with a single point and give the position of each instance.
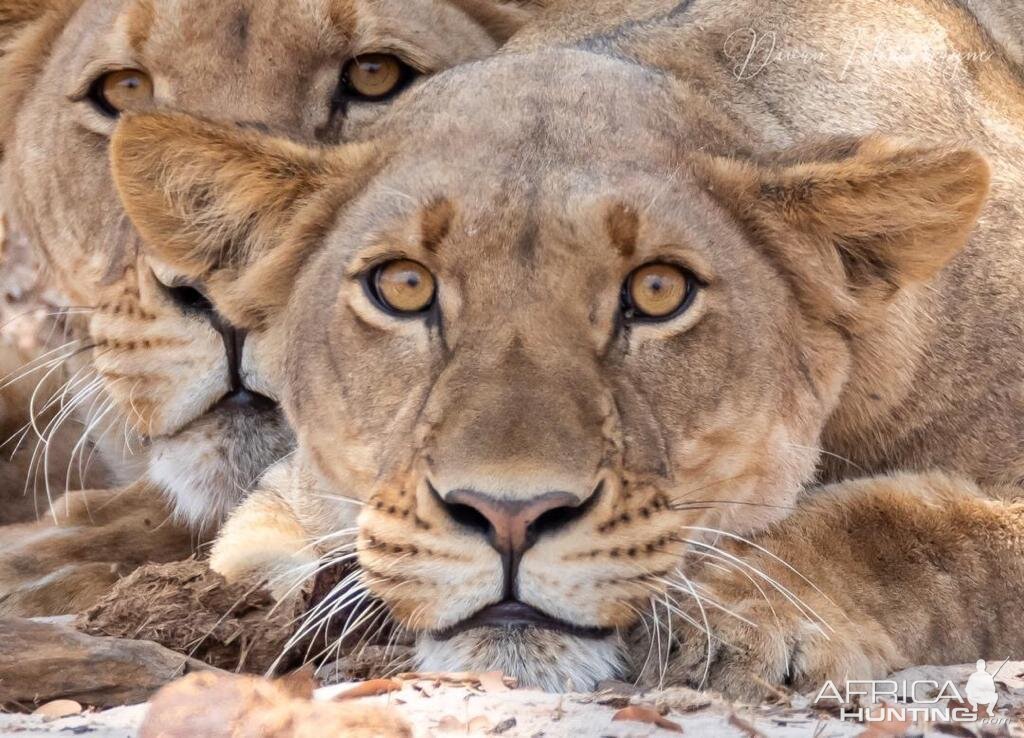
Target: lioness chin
(161, 384)
(566, 365)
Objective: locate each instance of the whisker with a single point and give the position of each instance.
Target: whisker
(762, 549)
(778, 586)
(710, 601)
(823, 452)
(707, 626)
(751, 579)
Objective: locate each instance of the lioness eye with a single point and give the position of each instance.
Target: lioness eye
(656, 292)
(403, 286)
(375, 76)
(125, 89)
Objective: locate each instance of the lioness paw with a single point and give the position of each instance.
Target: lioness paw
(264, 539)
(759, 647)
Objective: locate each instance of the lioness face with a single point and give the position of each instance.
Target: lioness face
(167, 372)
(553, 355)
(550, 369)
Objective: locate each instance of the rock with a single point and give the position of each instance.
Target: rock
(41, 662)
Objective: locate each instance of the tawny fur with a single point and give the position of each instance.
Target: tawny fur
(855, 230)
(155, 372)
(89, 539)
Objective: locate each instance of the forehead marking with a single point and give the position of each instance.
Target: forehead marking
(139, 23)
(240, 28)
(435, 223)
(623, 226)
(343, 16)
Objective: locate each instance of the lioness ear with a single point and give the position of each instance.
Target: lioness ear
(28, 30)
(853, 222)
(500, 18)
(223, 206)
(16, 14)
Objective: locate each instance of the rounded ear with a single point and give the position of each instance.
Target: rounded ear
(500, 18)
(15, 15)
(851, 222)
(218, 204)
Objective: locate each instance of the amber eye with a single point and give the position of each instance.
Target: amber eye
(403, 286)
(657, 291)
(375, 76)
(120, 91)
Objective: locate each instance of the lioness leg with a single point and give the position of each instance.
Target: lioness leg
(65, 562)
(264, 537)
(866, 578)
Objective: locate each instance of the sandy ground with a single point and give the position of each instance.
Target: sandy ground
(438, 709)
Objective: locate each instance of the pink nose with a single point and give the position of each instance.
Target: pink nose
(512, 526)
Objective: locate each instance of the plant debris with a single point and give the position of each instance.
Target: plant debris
(58, 709)
(234, 706)
(640, 714)
(188, 608)
(372, 688)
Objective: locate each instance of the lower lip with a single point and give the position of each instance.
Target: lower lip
(517, 616)
(246, 401)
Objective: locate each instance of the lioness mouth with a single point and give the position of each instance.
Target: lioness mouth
(512, 614)
(244, 400)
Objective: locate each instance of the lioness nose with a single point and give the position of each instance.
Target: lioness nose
(512, 526)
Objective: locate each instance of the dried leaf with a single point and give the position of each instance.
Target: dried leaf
(214, 705)
(58, 709)
(504, 726)
(372, 688)
(427, 689)
(452, 724)
(440, 676)
(887, 729)
(616, 701)
(743, 726)
(953, 729)
(479, 724)
(493, 681)
(639, 714)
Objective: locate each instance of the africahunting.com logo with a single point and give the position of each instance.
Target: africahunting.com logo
(890, 701)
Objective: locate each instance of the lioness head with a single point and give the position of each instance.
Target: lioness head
(567, 335)
(166, 371)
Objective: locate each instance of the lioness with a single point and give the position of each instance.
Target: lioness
(574, 358)
(165, 386)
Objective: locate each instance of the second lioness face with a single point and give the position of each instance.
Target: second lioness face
(165, 384)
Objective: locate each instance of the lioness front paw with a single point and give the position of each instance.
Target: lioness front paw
(263, 539)
(763, 644)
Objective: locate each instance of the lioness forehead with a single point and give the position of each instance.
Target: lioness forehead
(546, 161)
(550, 103)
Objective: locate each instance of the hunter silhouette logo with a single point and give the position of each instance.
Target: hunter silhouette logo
(981, 689)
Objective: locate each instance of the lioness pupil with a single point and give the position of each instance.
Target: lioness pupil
(374, 76)
(404, 286)
(656, 291)
(125, 89)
